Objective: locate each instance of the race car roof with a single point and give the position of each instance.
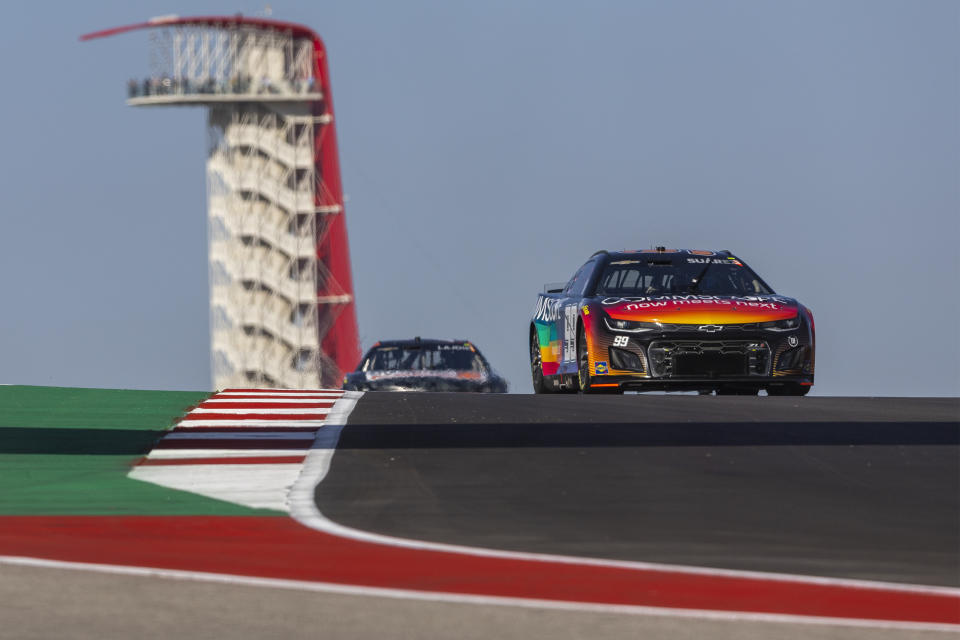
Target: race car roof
(419, 342)
(662, 251)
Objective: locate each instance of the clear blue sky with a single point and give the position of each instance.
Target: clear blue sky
(489, 147)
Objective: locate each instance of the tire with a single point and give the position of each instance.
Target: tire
(536, 364)
(791, 389)
(584, 379)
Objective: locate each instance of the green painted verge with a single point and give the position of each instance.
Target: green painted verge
(72, 408)
(66, 451)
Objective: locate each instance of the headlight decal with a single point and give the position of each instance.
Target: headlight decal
(789, 324)
(630, 326)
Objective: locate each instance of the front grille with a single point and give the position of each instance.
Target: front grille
(709, 358)
(709, 363)
(753, 326)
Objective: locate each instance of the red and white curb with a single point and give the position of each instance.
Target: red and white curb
(245, 446)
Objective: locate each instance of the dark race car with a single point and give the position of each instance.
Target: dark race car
(669, 319)
(424, 365)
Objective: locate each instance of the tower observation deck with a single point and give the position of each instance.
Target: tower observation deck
(282, 309)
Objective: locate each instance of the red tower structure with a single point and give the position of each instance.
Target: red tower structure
(282, 303)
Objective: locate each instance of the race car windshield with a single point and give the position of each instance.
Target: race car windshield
(658, 277)
(433, 357)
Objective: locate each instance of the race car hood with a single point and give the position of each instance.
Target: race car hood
(425, 380)
(701, 309)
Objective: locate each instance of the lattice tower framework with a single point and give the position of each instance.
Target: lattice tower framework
(282, 308)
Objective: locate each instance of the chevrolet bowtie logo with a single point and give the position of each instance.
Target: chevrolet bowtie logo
(710, 328)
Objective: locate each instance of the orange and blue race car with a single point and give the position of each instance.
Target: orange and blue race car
(674, 320)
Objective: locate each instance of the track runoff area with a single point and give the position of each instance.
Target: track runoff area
(840, 512)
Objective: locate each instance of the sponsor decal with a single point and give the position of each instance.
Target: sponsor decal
(626, 262)
(793, 341)
(586, 311)
(570, 333)
(710, 261)
(701, 299)
(600, 368)
(548, 309)
(633, 306)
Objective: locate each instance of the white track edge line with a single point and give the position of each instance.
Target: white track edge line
(304, 509)
(405, 594)
(143, 472)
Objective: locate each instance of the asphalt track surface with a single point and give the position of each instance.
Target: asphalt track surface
(865, 488)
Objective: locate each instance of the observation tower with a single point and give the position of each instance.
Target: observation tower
(282, 309)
